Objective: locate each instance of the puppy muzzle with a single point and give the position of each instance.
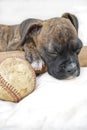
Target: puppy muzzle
(65, 71)
(71, 68)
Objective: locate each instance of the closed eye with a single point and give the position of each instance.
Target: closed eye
(78, 51)
(76, 46)
(51, 53)
(54, 54)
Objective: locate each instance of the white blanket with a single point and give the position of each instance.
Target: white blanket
(54, 105)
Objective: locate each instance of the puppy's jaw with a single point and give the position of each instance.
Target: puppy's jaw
(74, 76)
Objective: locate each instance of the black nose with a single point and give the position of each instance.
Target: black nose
(71, 68)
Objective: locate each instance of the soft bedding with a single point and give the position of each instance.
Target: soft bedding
(54, 105)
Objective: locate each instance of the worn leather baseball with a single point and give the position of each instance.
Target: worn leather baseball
(17, 79)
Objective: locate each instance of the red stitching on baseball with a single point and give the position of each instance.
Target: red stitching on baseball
(13, 92)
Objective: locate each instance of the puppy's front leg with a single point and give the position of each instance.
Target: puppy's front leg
(32, 55)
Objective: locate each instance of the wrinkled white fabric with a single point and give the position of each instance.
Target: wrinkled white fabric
(54, 105)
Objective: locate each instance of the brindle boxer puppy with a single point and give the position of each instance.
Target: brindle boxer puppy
(53, 42)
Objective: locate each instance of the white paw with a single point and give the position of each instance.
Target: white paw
(38, 64)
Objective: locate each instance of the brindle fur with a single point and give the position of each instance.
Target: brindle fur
(40, 37)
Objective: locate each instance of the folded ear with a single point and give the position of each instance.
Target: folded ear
(72, 18)
(29, 28)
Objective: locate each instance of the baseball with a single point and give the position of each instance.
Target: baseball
(17, 79)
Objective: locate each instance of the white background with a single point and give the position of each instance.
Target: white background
(15, 11)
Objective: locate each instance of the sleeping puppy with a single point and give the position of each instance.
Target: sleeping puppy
(53, 42)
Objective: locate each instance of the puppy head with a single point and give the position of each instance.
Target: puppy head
(58, 44)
